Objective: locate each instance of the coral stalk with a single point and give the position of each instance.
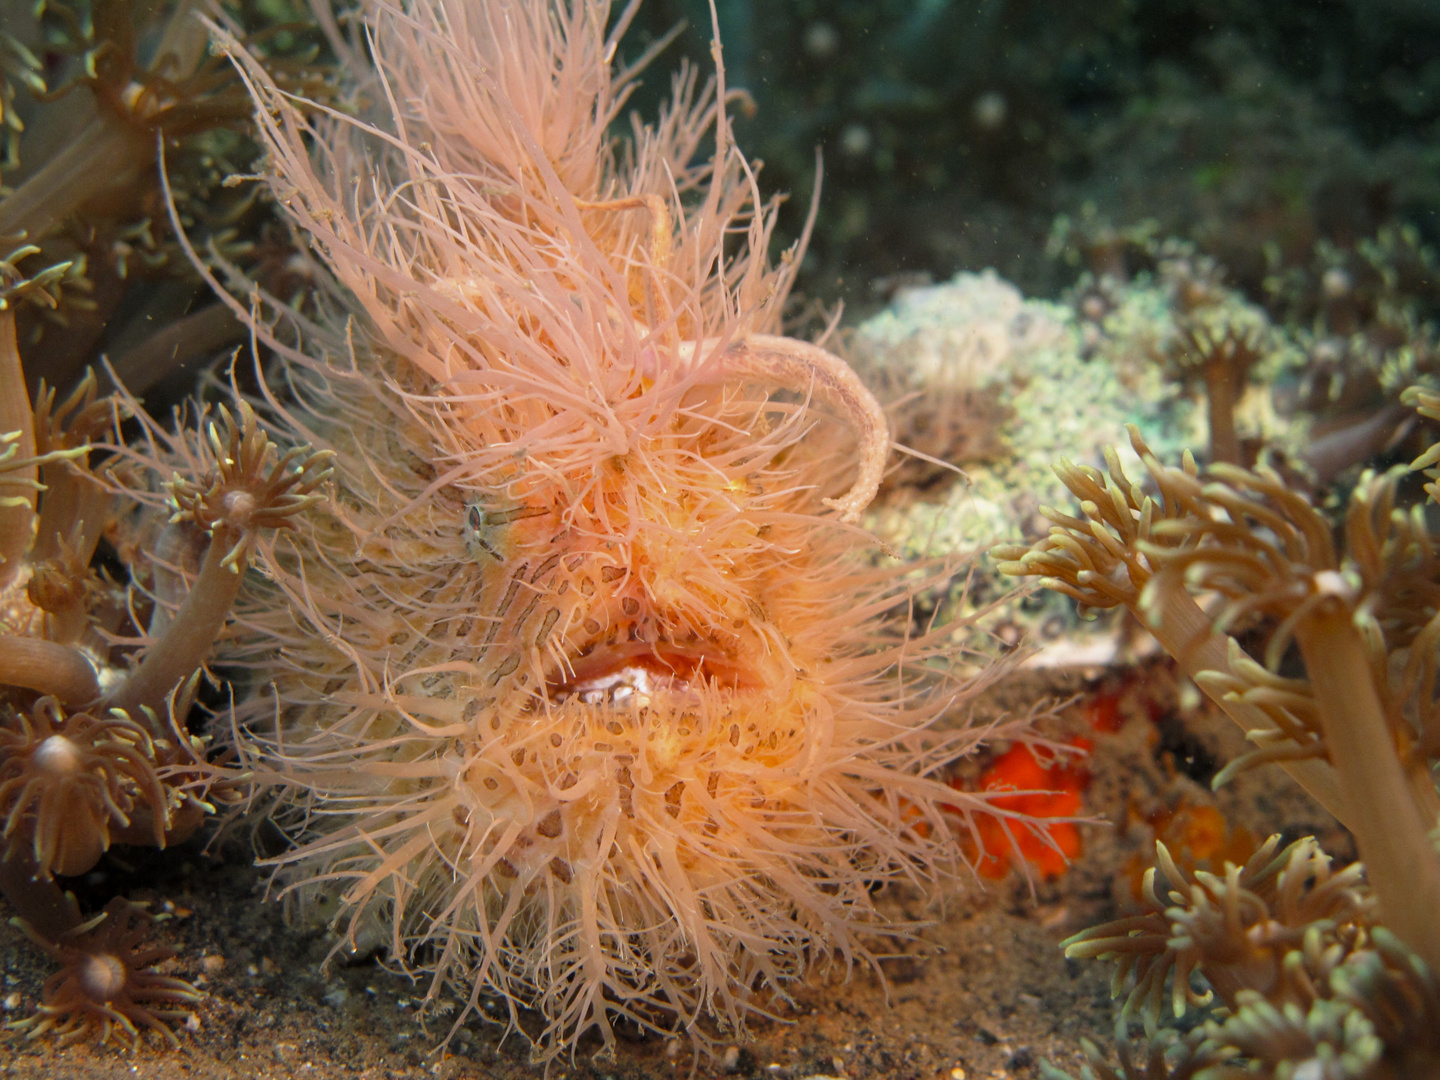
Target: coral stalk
(40, 901)
(47, 668)
(1188, 634)
(1393, 838)
(187, 640)
(1222, 390)
(19, 471)
(102, 157)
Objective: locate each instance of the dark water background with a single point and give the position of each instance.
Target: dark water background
(955, 131)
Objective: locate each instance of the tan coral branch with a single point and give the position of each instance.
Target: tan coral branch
(19, 472)
(1391, 831)
(48, 668)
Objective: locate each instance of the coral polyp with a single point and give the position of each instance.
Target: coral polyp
(67, 781)
(590, 695)
(108, 986)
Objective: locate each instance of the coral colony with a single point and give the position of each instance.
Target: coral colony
(1313, 967)
(98, 678)
(565, 666)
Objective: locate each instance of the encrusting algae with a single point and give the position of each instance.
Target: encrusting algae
(581, 691)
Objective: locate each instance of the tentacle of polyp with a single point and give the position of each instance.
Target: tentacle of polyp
(799, 365)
